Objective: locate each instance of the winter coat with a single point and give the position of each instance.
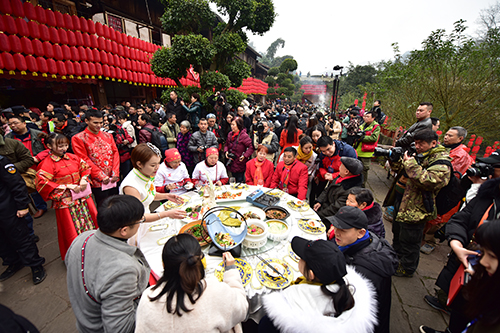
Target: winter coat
(269, 140)
(334, 130)
(177, 109)
(375, 222)
(207, 140)
(341, 149)
(36, 144)
(375, 259)
(304, 307)
(144, 135)
(170, 135)
(127, 126)
(17, 153)
(335, 195)
(194, 113)
(182, 146)
(221, 111)
(240, 147)
(297, 184)
(368, 143)
(267, 172)
(406, 139)
(460, 159)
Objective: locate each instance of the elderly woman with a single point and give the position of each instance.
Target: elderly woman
(211, 167)
(172, 174)
(260, 170)
(183, 138)
(238, 150)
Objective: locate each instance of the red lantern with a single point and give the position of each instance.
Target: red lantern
(105, 71)
(40, 14)
(61, 69)
(78, 69)
(112, 72)
(76, 22)
(111, 59)
(92, 71)
(29, 10)
(51, 63)
(98, 70)
(83, 24)
(133, 54)
(32, 65)
(51, 18)
(122, 63)
(102, 43)
(105, 30)
(42, 65)
(2, 24)
(48, 50)
(97, 55)
(126, 52)
(118, 37)
(37, 47)
(70, 69)
(121, 52)
(129, 76)
(58, 55)
(15, 44)
(79, 38)
(59, 20)
(86, 40)
(4, 42)
(66, 51)
(114, 47)
(22, 27)
(44, 32)
(5, 7)
(8, 62)
(68, 21)
(17, 8)
(71, 38)
(93, 42)
(90, 55)
(104, 57)
(20, 63)
(108, 46)
(133, 64)
(82, 53)
(10, 24)
(91, 27)
(63, 36)
(116, 59)
(54, 35)
(27, 46)
(85, 69)
(128, 64)
(99, 29)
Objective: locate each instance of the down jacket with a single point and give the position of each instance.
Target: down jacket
(240, 147)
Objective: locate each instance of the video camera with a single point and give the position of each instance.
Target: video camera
(395, 153)
(480, 170)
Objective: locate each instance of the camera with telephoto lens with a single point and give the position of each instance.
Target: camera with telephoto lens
(395, 153)
(480, 170)
(230, 158)
(260, 127)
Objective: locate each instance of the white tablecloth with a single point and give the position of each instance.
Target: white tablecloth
(147, 242)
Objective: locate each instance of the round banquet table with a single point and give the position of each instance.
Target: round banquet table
(147, 241)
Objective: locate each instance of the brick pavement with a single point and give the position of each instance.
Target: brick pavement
(47, 305)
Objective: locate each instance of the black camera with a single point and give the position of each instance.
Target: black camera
(480, 170)
(230, 158)
(395, 153)
(203, 147)
(260, 127)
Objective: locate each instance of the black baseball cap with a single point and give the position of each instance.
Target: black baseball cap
(349, 217)
(323, 258)
(494, 158)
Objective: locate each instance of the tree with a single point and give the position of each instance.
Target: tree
(283, 84)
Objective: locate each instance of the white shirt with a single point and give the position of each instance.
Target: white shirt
(166, 175)
(216, 173)
(144, 185)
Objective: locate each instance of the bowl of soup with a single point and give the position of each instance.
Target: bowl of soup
(257, 231)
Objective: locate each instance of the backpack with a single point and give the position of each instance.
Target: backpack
(450, 195)
(155, 136)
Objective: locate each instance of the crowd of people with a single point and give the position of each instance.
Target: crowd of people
(102, 168)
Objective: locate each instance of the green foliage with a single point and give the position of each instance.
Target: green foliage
(227, 46)
(288, 65)
(281, 77)
(273, 71)
(234, 97)
(237, 70)
(271, 90)
(186, 16)
(271, 82)
(216, 80)
(257, 16)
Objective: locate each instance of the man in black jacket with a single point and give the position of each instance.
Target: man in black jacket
(174, 106)
(370, 255)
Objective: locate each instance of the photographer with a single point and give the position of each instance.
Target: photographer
(262, 135)
(365, 145)
(423, 115)
(413, 196)
(220, 105)
(484, 169)
(238, 150)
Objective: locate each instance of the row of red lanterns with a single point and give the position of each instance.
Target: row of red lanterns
(69, 22)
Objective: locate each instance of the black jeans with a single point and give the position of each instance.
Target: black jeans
(406, 243)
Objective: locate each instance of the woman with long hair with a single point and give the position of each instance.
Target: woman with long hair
(482, 293)
(61, 177)
(238, 150)
(184, 300)
(330, 296)
(289, 137)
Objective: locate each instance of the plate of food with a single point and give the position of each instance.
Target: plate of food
(239, 186)
(193, 213)
(244, 267)
(269, 278)
(276, 193)
(311, 226)
(276, 213)
(298, 205)
(199, 232)
(253, 213)
(224, 239)
(225, 196)
(277, 230)
(230, 218)
(159, 227)
(171, 205)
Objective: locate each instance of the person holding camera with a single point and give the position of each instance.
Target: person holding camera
(262, 135)
(201, 140)
(238, 150)
(369, 134)
(423, 115)
(220, 105)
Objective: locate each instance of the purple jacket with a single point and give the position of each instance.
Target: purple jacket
(243, 148)
(182, 146)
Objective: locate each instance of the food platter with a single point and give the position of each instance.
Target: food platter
(311, 226)
(270, 279)
(253, 213)
(277, 213)
(244, 267)
(228, 220)
(226, 196)
(188, 229)
(193, 213)
(239, 186)
(298, 205)
(278, 230)
(171, 205)
(276, 193)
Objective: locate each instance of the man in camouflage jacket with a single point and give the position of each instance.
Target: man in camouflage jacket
(418, 183)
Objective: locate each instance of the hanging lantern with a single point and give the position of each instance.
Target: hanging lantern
(59, 19)
(29, 10)
(105, 30)
(122, 63)
(20, 63)
(135, 77)
(130, 76)
(5, 7)
(133, 65)
(48, 50)
(70, 69)
(37, 47)
(126, 52)
(133, 54)
(108, 46)
(44, 32)
(4, 43)
(90, 27)
(98, 70)
(114, 48)
(40, 14)
(26, 45)
(106, 72)
(22, 27)
(17, 8)
(116, 60)
(104, 57)
(2, 24)
(90, 55)
(83, 24)
(15, 44)
(93, 42)
(92, 71)
(51, 63)
(10, 24)
(97, 55)
(61, 69)
(68, 21)
(33, 28)
(82, 53)
(128, 64)
(42, 66)
(66, 51)
(75, 55)
(54, 35)
(76, 23)
(71, 38)
(58, 55)
(102, 43)
(121, 52)
(50, 17)
(86, 40)
(99, 29)
(118, 37)
(111, 59)
(32, 65)
(63, 36)
(85, 69)
(78, 70)
(79, 38)
(112, 72)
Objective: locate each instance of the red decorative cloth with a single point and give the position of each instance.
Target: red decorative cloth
(172, 155)
(212, 151)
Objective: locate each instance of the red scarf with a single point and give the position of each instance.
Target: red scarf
(258, 172)
(235, 134)
(285, 176)
(341, 179)
(369, 206)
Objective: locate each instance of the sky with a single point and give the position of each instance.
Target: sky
(320, 34)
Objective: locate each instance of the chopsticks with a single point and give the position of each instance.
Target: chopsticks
(269, 265)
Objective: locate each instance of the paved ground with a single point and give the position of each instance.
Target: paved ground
(47, 305)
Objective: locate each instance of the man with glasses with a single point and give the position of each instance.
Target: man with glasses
(105, 275)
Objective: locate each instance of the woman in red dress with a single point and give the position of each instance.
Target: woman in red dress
(60, 178)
